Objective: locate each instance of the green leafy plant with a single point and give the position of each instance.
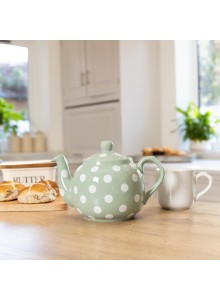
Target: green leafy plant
(9, 117)
(195, 125)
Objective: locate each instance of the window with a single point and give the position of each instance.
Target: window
(14, 80)
(209, 76)
(209, 73)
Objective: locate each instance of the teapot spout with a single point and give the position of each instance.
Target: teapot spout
(64, 178)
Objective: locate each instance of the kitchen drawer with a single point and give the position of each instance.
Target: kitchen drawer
(86, 127)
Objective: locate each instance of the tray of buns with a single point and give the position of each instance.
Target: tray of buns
(41, 196)
(166, 155)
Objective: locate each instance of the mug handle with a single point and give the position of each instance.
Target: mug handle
(140, 165)
(206, 175)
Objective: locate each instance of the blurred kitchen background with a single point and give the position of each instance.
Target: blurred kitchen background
(81, 92)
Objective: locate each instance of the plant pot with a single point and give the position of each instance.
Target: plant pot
(200, 145)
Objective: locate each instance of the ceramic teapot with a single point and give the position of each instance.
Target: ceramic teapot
(107, 187)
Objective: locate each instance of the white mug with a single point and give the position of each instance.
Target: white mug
(177, 190)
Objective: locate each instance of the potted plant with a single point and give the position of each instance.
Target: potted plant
(9, 117)
(196, 126)
(8, 121)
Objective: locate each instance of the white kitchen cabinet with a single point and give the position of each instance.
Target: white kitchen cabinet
(134, 98)
(90, 71)
(87, 126)
(102, 59)
(73, 71)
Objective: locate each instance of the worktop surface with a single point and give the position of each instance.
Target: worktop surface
(155, 233)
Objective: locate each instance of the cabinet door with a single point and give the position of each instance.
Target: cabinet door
(86, 127)
(73, 72)
(102, 59)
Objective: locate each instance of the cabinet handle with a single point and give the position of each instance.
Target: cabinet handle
(83, 79)
(88, 77)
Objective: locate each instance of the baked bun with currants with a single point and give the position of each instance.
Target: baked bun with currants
(9, 190)
(51, 185)
(37, 193)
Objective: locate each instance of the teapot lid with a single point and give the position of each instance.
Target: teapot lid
(107, 155)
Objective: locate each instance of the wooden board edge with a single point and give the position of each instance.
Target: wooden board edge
(14, 206)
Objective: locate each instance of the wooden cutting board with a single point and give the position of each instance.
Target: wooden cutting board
(58, 204)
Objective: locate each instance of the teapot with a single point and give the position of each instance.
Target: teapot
(107, 187)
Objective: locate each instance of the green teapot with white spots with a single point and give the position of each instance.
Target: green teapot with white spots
(107, 187)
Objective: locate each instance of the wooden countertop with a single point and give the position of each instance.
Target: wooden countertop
(154, 234)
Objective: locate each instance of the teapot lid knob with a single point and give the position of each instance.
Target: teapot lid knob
(106, 145)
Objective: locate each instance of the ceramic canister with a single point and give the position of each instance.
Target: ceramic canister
(28, 172)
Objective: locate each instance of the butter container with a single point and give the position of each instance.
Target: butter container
(28, 172)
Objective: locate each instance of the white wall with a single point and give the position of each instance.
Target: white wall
(186, 70)
(140, 104)
(45, 101)
(168, 93)
(178, 85)
(152, 84)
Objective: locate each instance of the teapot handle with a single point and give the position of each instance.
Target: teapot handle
(140, 165)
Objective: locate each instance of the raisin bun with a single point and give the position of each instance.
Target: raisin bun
(9, 190)
(36, 193)
(51, 185)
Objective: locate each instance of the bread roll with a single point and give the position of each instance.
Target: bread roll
(9, 190)
(37, 193)
(147, 151)
(165, 151)
(51, 185)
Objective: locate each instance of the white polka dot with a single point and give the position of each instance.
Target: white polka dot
(103, 155)
(96, 179)
(83, 199)
(137, 198)
(92, 189)
(123, 208)
(108, 198)
(94, 168)
(134, 177)
(124, 187)
(75, 189)
(91, 217)
(98, 163)
(79, 210)
(107, 178)
(116, 168)
(97, 209)
(64, 174)
(109, 216)
(82, 177)
(61, 192)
